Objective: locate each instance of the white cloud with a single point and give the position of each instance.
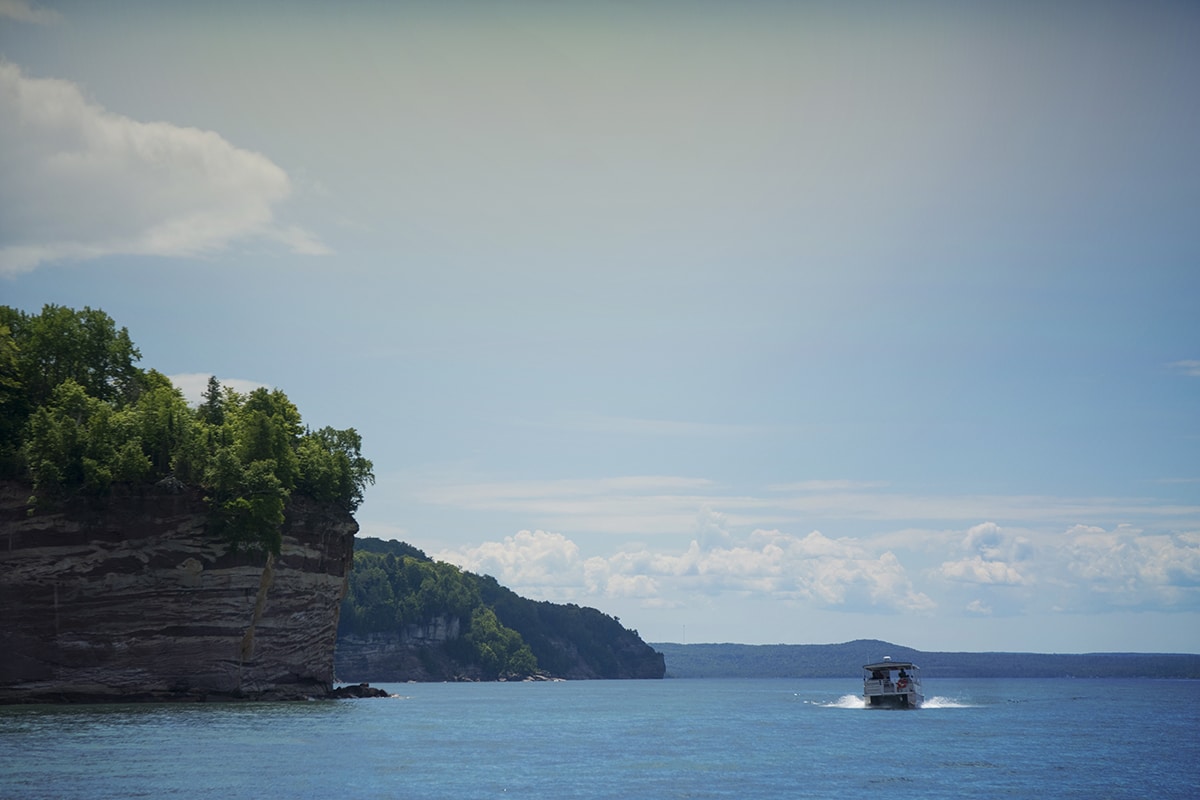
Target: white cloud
(1187, 367)
(976, 569)
(825, 572)
(712, 528)
(530, 559)
(194, 384)
(1084, 568)
(82, 182)
(23, 11)
(631, 586)
(994, 543)
(994, 556)
(1052, 565)
(1127, 567)
(979, 607)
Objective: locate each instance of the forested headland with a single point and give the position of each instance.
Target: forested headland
(501, 635)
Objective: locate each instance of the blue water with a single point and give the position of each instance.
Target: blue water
(747, 739)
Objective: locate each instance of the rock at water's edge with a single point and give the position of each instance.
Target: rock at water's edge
(357, 690)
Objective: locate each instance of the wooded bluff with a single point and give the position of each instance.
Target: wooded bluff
(406, 617)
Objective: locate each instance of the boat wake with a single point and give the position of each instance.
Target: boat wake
(946, 702)
(855, 701)
(845, 701)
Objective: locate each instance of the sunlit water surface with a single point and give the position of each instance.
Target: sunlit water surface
(741, 739)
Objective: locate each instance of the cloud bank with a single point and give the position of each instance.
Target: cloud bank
(828, 573)
(670, 542)
(1036, 557)
(1083, 569)
(82, 182)
(22, 11)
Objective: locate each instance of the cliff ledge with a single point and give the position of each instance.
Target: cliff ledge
(129, 598)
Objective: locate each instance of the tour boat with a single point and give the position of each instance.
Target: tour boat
(892, 684)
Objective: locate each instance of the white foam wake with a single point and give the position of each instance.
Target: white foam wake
(845, 701)
(945, 702)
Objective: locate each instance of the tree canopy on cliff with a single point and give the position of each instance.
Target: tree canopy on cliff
(78, 415)
(389, 592)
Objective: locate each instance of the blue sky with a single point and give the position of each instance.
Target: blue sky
(755, 322)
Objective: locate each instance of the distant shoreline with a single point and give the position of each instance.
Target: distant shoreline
(728, 660)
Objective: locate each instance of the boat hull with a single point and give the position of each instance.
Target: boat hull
(905, 700)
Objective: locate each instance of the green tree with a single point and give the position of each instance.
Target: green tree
(250, 514)
(253, 466)
(332, 467)
(165, 424)
(70, 441)
(268, 430)
(13, 409)
(84, 346)
(370, 597)
(499, 651)
(212, 410)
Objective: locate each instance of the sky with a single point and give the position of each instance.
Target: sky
(754, 322)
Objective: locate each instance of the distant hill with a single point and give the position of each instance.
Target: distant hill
(842, 660)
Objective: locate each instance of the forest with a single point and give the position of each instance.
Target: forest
(79, 416)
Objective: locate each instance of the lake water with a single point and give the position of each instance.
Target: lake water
(741, 739)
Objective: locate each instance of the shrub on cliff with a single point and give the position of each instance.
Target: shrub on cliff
(78, 415)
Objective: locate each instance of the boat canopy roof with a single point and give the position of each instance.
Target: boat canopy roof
(891, 665)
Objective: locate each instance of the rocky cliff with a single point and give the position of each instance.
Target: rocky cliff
(418, 653)
(412, 654)
(130, 597)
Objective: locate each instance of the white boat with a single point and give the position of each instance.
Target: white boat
(892, 684)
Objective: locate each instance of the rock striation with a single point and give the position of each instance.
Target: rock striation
(130, 598)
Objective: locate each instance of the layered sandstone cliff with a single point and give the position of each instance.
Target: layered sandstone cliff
(129, 597)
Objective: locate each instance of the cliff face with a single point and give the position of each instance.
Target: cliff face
(130, 598)
(413, 654)
(417, 654)
(629, 658)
